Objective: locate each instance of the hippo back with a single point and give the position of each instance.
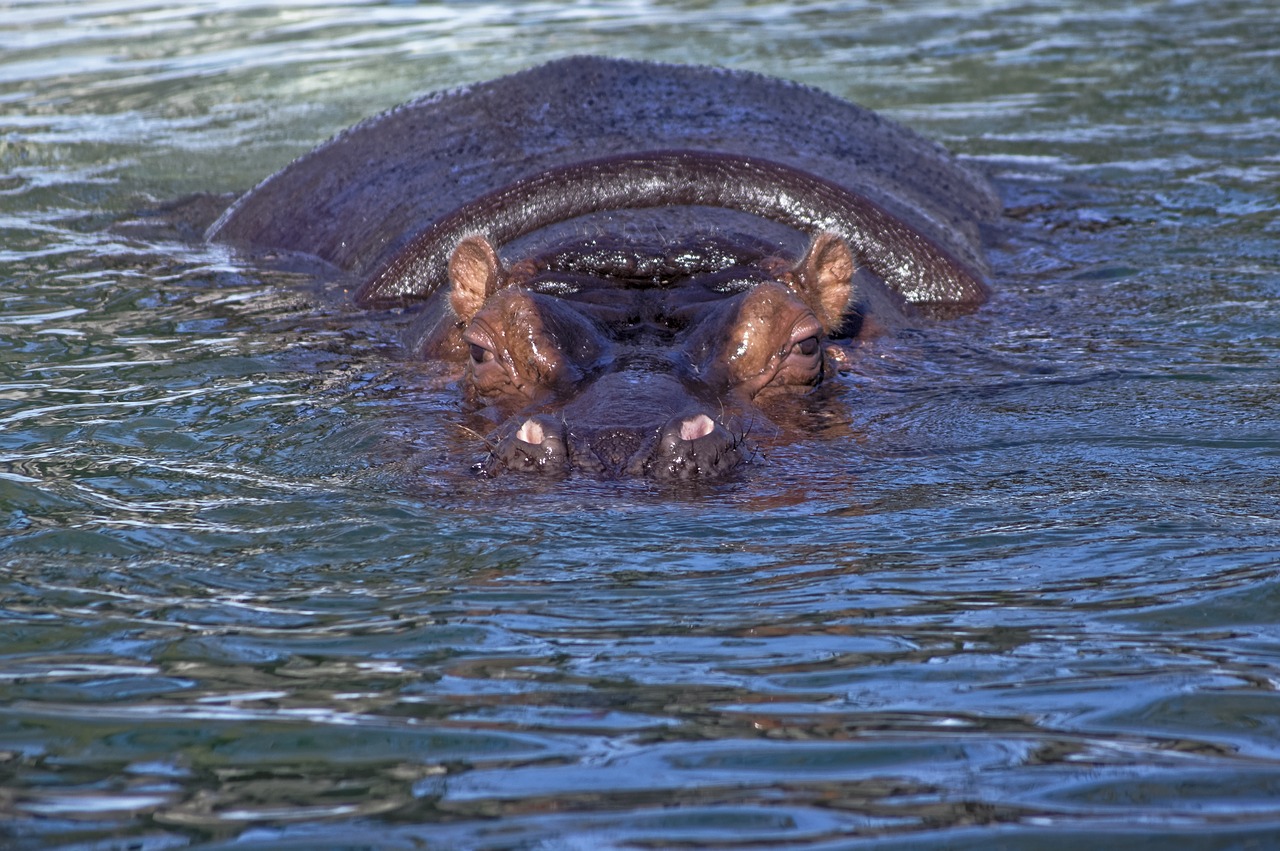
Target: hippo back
(357, 199)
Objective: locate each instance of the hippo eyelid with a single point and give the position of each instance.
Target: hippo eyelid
(808, 347)
(478, 341)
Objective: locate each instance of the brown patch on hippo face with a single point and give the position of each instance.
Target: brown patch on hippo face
(771, 339)
(774, 338)
(520, 346)
(523, 347)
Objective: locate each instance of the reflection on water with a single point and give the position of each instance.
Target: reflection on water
(1013, 586)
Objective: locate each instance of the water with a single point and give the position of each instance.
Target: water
(1018, 589)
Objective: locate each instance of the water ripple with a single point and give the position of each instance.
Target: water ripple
(1016, 586)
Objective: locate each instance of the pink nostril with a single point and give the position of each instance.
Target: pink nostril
(531, 432)
(699, 425)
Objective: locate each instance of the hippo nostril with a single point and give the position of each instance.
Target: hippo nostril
(694, 446)
(699, 425)
(536, 445)
(531, 432)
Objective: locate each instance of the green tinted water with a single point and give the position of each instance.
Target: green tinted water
(1020, 592)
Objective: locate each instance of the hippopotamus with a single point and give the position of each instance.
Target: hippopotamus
(626, 259)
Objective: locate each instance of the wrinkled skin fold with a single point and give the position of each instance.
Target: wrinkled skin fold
(917, 268)
(622, 293)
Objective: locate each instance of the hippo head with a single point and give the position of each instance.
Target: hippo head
(616, 368)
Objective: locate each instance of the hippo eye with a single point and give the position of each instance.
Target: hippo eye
(480, 354)
(808, 347)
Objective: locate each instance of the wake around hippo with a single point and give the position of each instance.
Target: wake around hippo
(626, 258)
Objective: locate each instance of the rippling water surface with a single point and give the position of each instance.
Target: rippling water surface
(1017, 590)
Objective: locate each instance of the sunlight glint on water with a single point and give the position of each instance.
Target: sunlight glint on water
(1018, 589)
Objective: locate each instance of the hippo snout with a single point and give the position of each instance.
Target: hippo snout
(694, 447)
(535, 445)
(685, 447)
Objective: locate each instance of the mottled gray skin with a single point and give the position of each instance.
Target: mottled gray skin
(617, 216)
(361, 196)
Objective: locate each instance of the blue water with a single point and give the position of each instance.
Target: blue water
(1017, 588)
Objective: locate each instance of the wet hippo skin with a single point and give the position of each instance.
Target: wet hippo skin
(625, 258)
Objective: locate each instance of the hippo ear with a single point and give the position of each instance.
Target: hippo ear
(824, 279)
(474, 274)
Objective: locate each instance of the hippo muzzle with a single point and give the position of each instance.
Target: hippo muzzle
(621, 427)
